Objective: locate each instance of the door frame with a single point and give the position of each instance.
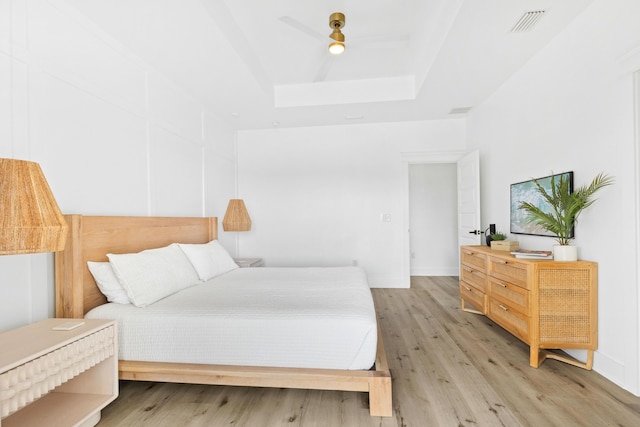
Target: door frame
(634, 356)
(419, 158)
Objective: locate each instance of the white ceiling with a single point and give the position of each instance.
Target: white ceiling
(265, 63)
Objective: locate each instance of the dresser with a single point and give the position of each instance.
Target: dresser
(58, 372)
(546, 304)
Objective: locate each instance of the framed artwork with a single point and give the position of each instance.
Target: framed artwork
(527, 191)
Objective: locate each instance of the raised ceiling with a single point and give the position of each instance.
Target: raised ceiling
(265, 63)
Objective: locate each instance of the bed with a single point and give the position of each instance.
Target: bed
(91, 238)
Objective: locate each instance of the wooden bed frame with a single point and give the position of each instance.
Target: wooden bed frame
(90, 238)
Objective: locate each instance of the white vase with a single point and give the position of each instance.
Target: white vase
(565, 253)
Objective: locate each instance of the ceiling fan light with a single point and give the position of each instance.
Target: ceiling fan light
(336, 21)
(336, 48)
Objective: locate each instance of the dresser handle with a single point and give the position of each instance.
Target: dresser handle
(467, 288)
(501, 284)
(503, 307)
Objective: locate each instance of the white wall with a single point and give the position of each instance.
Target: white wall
(571, 108)
(433, 220)
(316, 195)
(112, 136)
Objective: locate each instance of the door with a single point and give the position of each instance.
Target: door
(469, 232)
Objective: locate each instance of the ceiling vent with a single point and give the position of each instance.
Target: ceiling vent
(527, 20)
(460, 110)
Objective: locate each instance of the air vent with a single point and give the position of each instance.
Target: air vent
(527, 21)
(460, 110)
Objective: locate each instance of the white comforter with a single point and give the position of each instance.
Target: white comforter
(286, 317)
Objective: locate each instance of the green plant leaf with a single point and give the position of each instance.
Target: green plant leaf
(566, 207)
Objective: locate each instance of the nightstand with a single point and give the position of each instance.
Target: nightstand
(249, 262)
(58, 377)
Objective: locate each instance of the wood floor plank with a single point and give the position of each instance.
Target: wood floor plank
(449, 368)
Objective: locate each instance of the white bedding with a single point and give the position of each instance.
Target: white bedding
(285, 317)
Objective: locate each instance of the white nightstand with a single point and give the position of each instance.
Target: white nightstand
(249, 262)
(58, 377)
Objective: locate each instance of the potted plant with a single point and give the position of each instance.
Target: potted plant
(498, 236)
(499, 242)
(565, 208)
(494, 236)
(491, 234)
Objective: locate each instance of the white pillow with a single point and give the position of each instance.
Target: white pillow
(153, 274)
(209, 259)
(107, 282)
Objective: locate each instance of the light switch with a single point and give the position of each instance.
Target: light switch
(386, 217)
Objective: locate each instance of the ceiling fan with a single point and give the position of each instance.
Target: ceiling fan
(337, 40)
(336, 21)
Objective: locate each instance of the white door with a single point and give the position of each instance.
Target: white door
(469, 232)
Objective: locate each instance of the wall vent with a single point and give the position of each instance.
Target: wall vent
(527, 20)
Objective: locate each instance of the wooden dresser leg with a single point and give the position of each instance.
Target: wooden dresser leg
(547, 354)
(534, 357)
(469, 310)
(589, 363)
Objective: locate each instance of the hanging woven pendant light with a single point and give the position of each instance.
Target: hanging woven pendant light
(30, 219)
(236, 218)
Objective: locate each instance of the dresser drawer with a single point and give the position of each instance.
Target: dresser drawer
(474, 277)
(510, 294)
(515, 272)
(509, 318)
(473, 296)
(473, 259)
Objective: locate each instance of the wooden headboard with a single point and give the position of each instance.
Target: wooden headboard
(91, 238)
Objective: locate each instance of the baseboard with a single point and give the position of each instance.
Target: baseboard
(382, 281)
(609, 368)
(435, 271)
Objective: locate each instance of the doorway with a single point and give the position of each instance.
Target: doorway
(461, 160)
(433, 225)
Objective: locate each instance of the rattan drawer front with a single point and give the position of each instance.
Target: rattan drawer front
(513, 295)
(565, 307)
(473, 259)
(510, 319)
(512, 271)
(474, 277)
(473, 296)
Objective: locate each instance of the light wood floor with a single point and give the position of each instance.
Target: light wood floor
(449, 368)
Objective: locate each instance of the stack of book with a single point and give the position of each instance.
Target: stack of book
(525, 253)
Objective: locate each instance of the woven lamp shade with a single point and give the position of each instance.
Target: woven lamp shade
(236, 218)
(30, 220)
